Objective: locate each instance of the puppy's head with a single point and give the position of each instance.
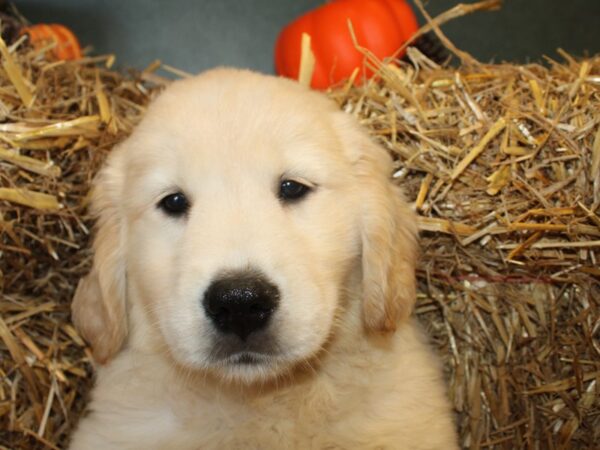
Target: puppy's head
(232, 218)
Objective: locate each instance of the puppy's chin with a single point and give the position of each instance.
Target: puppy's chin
(249, 368)
(261, 358)
(246, 367)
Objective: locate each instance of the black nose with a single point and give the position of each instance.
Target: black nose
(240, 303)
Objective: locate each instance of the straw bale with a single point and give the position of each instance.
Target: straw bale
(58, 122)
(502, 164)
(501, 161)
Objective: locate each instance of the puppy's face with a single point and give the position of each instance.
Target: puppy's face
(237, 211)
(249, 196)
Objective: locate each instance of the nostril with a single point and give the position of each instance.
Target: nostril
(241, 303)
(259, 309)
(220, 312)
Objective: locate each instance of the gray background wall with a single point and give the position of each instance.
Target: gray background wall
(198, 34)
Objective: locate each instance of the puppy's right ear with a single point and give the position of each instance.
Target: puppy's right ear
(388, 232)
(99, 308)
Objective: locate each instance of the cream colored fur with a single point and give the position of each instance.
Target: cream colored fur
(350, 368)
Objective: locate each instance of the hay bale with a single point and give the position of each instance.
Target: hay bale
(59, 120)
(501, 161)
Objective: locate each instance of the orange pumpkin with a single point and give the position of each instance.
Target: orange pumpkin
(381, 26)
(67, 46)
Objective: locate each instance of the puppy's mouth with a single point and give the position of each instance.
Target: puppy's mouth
(248, 359)
(260, 350)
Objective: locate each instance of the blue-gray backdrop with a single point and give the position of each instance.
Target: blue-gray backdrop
(198, 34)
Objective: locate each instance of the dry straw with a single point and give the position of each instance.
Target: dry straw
(58, 122)
(501, 161)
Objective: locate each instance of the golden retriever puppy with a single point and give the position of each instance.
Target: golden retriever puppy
(253, 282)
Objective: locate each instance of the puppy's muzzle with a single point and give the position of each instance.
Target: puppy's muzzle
(241, 303)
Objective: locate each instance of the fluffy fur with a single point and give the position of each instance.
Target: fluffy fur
(343, 367)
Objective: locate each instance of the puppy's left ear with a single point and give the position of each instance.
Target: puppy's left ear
(99, 308)
(388, 233)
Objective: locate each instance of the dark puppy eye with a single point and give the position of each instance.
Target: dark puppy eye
(174, 204)
(290, 190)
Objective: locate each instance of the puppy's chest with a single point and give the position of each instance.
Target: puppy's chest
(283, 420)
